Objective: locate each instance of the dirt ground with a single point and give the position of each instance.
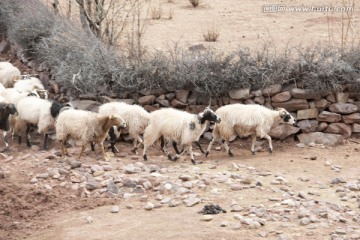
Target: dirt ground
(29, 211)
(32, 211)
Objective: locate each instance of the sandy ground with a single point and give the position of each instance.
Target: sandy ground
(32, 212)
(28, 211)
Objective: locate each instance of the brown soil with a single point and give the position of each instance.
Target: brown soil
(28, 211)
(32, 212)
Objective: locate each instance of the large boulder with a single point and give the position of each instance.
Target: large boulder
(339, 128)
(351, 118)
(175, 103)
(308, 125)
(343, 108)
(326, 116)
(311, 113)
(86, 105)
(321, 104)
(304, 94)
(182, 95)
(321, 138)
(292, 104)
(239, 93)
(281, 97)
(272, 90)
(282, 131)
(146, 100)
(342, 97)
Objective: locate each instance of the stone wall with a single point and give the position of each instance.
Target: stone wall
(325, 118)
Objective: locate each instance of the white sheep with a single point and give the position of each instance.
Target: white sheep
(85, 126)
(135, 116)
(9, 74)
(179, 126)
(30, 84)
(245, 120)
(39, 112)
(16, 123)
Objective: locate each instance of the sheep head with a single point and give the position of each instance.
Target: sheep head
(11, 109)
(286, 116)
(116, 120)
(208, 115)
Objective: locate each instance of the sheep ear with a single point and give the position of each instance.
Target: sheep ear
(282, 113)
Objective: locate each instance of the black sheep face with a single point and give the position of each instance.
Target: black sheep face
(209, 115)
(286, 117)
(11, 109)
(55, 108)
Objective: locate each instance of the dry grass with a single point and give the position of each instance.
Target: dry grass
(156, 12)
(211, 34)
(171, 12)
(194, 3)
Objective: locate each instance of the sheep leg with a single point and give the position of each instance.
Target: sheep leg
(201, 149)
(82, 151)
(135, 144)
(28, 140)
(177, 156)
(112, 140)
(46, 136)
(227, 148)
(210, 146)
(5, 139)
(191, 154)
(63, 149)
(101, 144)
(270, 143)
(253, 139)
(92, 145)
(176, 149)
(164, 148)
(12, 134)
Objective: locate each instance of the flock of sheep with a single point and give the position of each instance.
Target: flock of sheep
(24, 104)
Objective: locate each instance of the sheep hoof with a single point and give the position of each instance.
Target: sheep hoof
(207, 153)
(253, 152)
(145, 158)
(169, 157)
(230, 153)
(193, 161)
(174, 159)
(270, 150)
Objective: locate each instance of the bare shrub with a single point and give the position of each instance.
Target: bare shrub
(170, 14)
(83, 63)
(194, 3)
(211, 34)
(156, 12)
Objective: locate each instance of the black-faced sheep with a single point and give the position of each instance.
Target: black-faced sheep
(11, 95)
(179, 126)
(5, 110)
(9, 74)
(245, 120)
(85, 126)
(135, 116)
(39, 112)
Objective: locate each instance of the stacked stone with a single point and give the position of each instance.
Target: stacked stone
(322, 118)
